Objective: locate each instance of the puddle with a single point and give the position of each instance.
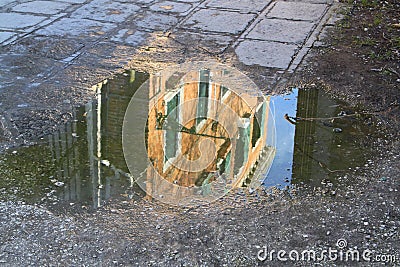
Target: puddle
(330, 141)
(83, 162)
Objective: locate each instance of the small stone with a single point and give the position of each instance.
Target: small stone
(105, 162)
(337, 130)
(59, 184)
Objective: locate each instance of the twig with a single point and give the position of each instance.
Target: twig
(322, 119)
(393, 71)
(343, 116)
(289, 119)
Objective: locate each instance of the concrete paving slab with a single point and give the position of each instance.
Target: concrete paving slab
(136, 39)
(155, 21)
(214, 43)
(172, 7)
(41, 7)
(5, 36)
(240, 5)
(297, 11)
(281, 30)
(24, 68)
(218, 21)
(130, 37)
(316, 1)
(107, 56)
(106, 10)
(144, 2)
(80, 77)
(5, 2)
(15, 21)
(190, 1)
(266, 54)
(76, 27)
(56, 47)
(73, 1)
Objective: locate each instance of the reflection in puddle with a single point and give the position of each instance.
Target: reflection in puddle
(83, 161)
(319, 140)
(202, 138)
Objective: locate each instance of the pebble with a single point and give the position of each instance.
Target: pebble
(59, 184)
(105, 162)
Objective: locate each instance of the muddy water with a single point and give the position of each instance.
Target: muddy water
(323, 142)
(82, 163)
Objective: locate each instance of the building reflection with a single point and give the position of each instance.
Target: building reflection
(310, 150)
(88, 151)
(89, 155)
(84, 160)
(305, 136)
(299, 144)
(317, 148)
(179, 121)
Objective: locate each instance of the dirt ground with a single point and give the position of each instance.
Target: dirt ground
(358, 62)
